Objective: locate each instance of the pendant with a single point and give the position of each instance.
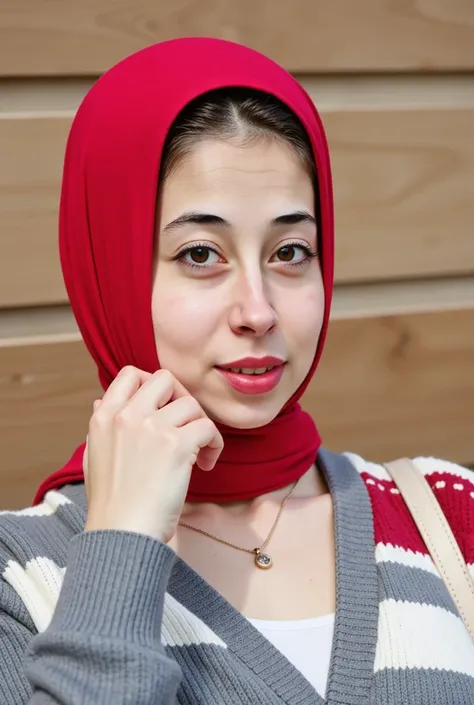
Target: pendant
(262, 560)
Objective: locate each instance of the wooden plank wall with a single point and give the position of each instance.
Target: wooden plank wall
(394, 81)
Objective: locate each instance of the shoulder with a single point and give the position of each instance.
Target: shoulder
(44, 530)
(453, 486)
(34, 543)
(440, 474)
(55, 521)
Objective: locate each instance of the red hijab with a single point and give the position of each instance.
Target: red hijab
(107, 229)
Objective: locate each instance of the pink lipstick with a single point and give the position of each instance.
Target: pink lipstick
(253, 375)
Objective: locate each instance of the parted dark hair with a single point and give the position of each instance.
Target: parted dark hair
(235, 113)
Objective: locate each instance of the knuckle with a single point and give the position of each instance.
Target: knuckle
(208, 425)
(191, 405)
(164, 376)
(169, 439)
(123, 418)
(149, 425)
(97, 420)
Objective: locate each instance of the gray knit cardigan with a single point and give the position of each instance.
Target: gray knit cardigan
(116, 618)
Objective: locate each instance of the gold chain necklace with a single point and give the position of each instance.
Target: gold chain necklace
(262, 560)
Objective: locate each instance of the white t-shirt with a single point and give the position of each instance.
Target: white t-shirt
(307, 643)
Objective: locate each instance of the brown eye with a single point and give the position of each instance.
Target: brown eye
(286, 254)
(199, 255)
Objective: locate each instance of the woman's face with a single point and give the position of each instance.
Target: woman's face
(233, 278)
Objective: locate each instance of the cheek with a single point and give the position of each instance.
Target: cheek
(304, 315)
(181, 324)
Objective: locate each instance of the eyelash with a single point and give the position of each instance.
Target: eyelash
(205, 246)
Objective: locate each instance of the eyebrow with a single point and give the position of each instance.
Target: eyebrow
(197, 218)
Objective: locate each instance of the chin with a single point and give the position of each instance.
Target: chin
(244, 415)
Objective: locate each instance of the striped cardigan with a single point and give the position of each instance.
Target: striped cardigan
(116, 618)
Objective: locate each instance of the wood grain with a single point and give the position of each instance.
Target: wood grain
(388, 385)
(398, 385)
(30, 171)
(46, 391)
(403, 189)
(403, 186)
(39, 37)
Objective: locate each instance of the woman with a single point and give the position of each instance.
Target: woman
(196, 225)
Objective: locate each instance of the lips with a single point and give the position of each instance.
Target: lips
(253, 375)
(250, 370)
(250, 365)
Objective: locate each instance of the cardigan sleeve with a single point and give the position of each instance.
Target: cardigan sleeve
(103, 644)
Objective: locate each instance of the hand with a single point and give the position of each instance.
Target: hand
(145, 435)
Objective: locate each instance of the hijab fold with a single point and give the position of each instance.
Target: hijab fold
(107, 229)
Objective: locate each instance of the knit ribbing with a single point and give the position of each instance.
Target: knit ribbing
(135, 625)
(357, 585)
(115, 585)
(355, 635)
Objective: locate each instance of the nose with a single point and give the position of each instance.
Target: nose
(252, 313)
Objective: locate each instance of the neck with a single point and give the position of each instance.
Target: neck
(311, 484)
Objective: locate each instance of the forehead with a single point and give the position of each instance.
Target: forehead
(220, 171)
